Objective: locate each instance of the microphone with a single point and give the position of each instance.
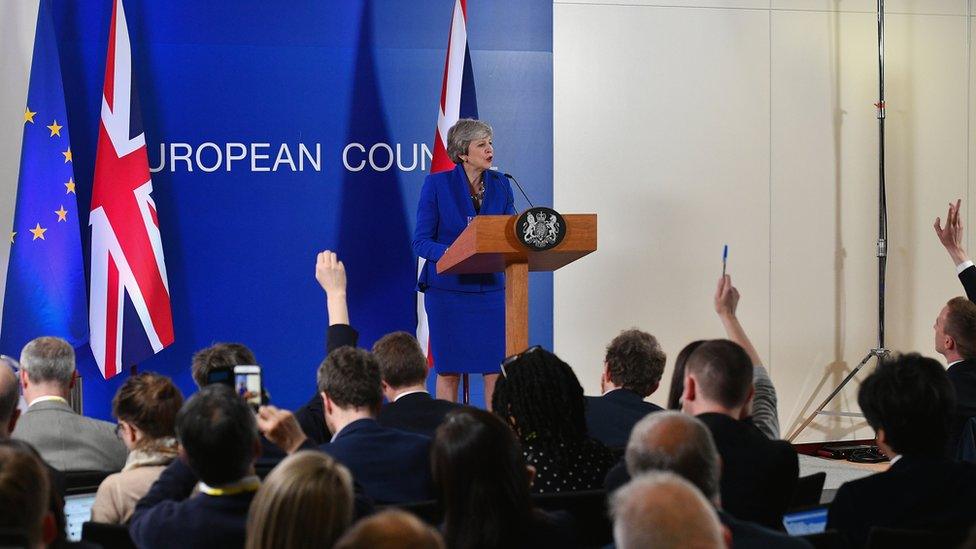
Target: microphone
(512, 177)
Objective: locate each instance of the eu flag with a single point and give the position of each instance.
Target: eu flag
(45, 291)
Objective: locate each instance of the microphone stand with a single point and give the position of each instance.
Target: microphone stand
(879, 352)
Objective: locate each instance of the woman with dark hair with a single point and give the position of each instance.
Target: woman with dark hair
(678, 376)
(482, 485)
(543, 401)
(145, 406)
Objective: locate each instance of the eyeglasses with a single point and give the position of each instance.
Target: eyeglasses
(508, 361)
(118, 430)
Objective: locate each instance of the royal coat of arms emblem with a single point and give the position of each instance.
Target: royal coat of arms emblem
(540, 228)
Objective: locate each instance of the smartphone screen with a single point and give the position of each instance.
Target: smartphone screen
(247, 383)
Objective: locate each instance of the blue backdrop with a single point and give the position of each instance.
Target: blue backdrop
(222, 83)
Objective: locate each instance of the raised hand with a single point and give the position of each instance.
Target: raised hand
(281, 428)
(726, 297)
(330, 272)
(951, 236)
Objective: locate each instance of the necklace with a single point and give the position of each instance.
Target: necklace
(478, 195)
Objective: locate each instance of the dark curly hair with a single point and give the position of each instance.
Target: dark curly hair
(543, 401)
(635, 361)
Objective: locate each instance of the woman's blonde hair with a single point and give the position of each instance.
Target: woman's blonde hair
(306, 501)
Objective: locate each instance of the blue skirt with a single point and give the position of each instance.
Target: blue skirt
(467, 330)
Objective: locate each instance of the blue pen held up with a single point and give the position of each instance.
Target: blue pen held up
(725, 258)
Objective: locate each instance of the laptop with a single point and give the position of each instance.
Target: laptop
(77, 511)
(806, 521)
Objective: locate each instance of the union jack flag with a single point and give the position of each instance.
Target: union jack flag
(126, 249)
(458, 100)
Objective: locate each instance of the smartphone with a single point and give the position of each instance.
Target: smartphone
(247, 383)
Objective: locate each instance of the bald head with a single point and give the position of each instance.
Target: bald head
(675, 442)
(9, 395)
(664, 511)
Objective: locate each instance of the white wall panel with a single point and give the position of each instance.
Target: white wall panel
(689, 126)
(661, 128)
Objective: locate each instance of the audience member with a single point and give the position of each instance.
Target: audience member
(759, 474)
(219, 357)
(9, 396)
(955, 339)
(392, 466)
(218, 446)
(482, 485)
(664, 511)
(65, 439)
(632, 371)
(331, 276)
(908, 401)
(678, 375)
(25, 495)
(954, 333)
(306, 501)
(403, 368)
(762, 411)
(543, 401)
(682, 444)
(145, 406)
(391, 529)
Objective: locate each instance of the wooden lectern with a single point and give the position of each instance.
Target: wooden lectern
(489, 245)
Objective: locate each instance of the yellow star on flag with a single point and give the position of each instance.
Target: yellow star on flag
(67, 155)
(38, 232)
(28, 115)
(71, 186)
(62, 214)
(55, 129)
(12, 235)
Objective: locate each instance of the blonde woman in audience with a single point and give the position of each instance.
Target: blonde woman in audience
(146, 407)
(391, 529)
(306, 501)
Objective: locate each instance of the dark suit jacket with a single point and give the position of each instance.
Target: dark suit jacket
(311, 416)
(442, 214)
(416, 413)
(915, 493)
(759, 475)
(611, 417)
(392, 466)
(963, 378)
(168, 517)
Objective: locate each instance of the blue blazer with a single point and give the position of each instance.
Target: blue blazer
(445, 205)
(392, 466)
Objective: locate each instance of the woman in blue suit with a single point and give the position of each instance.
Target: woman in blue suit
(466, 313)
